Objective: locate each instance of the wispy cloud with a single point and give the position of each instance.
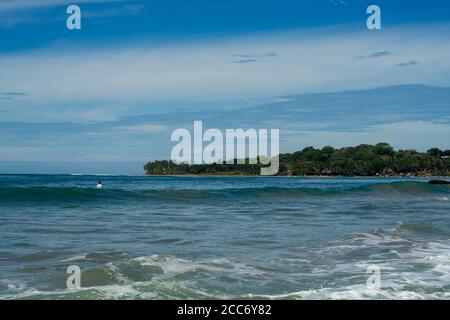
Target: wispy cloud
(375, 55)
(14, 13)
(245, 61)
(15, 5)
(259, 55)
(249, 58)
(199, 71)
(144, 128)
(407, 64)
(11, 95)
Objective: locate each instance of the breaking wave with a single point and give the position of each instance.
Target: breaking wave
(391, 189)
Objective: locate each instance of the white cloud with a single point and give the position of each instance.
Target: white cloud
(145, 128)
(420, 135)
(17, 153)
(16, 12)
(110, 146)
(11, 5)
(307, 61)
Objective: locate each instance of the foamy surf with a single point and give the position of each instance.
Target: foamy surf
(408, 271)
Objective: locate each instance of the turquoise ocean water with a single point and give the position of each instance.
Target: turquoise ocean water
(223, 237)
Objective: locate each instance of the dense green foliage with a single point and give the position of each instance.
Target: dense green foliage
(363, 160)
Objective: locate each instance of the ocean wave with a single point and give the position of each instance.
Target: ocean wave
(409, 269)
(76, 194)
(145, 277)
(398, 281)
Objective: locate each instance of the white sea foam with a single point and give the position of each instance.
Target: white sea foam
(13, 285)
(337, 270)
(171, 265)
(75, 258)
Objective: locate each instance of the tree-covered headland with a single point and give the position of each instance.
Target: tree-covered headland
(363, 160)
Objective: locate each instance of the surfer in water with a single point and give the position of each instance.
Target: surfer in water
(99, 185)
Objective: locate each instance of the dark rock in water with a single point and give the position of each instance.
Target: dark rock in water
(438, 182)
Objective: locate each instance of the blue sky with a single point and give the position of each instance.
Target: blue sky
(105, 99)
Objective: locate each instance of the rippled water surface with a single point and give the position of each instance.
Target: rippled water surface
(223, 237)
